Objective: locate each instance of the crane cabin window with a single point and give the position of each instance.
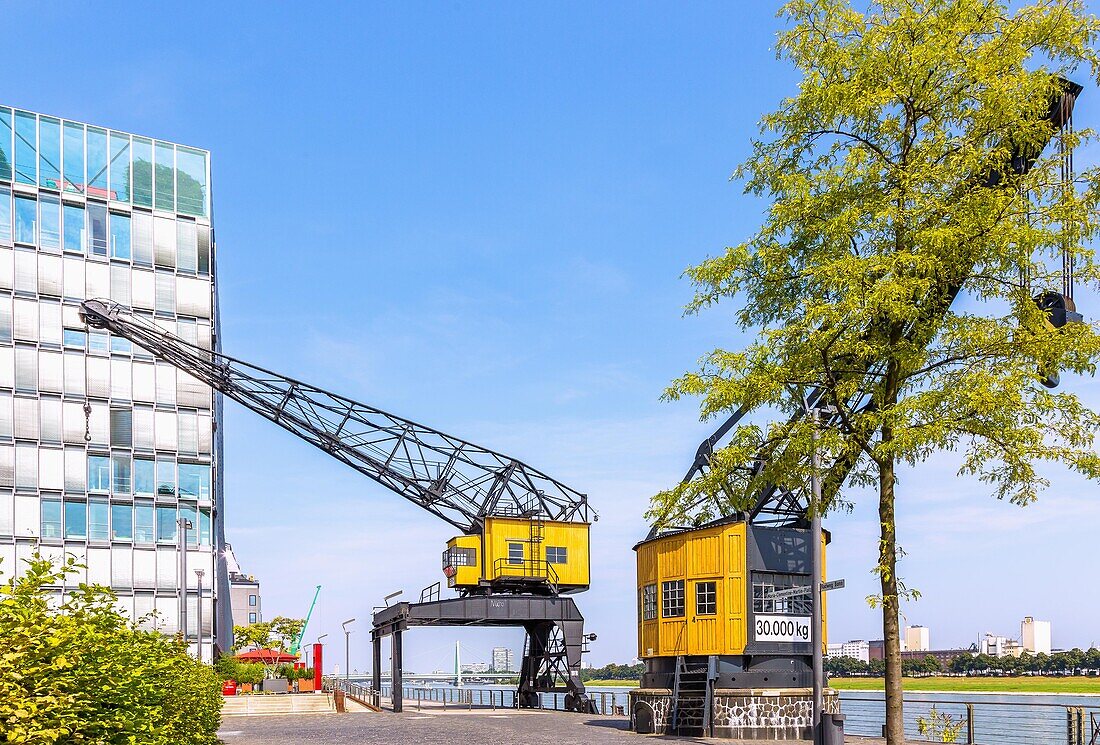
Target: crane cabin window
(515, 553)
(460, 557)
(556, 555)
(672, 599)
(649, 602)
(706, 598)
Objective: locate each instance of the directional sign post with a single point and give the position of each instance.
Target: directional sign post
(835, 584)
(789, 592)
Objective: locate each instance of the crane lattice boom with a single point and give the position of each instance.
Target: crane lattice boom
(459, 481)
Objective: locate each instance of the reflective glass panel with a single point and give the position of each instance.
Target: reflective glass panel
(99, 473)
(49, 152)
(5, 144)
(97, 162)
(166, 524)
(143, 171)
(144, 478)
(120, 166)
(51, 518)
(98, 529)
(97, 228)
(191, 181)
(5, 216)
(26, 149)
(26, 220)
(122, 522)
(49, 223)
(120, 236)
(166, 477)
(166, 177)
(74, 228)
(190, 512)
(120, 474)
(74, 157)
(76, 520)
(194, 480)
(74, 339)
(143, 522)
(204, 526)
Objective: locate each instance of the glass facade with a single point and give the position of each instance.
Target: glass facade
(87, 212)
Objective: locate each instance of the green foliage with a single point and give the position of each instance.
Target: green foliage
(613, 672)
(279, 633)
(939, 726)
(80, 671)
(871, 173)
(230, 668)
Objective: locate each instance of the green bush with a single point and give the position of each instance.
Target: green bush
(81, 671)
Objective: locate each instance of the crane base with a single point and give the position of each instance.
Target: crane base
(552, 651)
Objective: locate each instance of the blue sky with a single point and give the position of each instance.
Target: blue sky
(476, 216)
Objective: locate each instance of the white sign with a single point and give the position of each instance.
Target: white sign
(836, 584)
(790, 592)
(769, 628)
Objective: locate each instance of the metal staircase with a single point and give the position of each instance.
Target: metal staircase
(692, 697)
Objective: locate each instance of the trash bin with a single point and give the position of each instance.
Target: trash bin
(832, 729)
(229, 688)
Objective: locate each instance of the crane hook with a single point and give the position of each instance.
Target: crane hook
(87, 422)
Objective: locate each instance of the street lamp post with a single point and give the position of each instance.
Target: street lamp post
(199, 575)
(815, 578)
(184, 525)
(347, 647)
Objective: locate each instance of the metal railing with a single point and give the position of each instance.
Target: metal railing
(354, 690)
(608, 703)
(525, 569)
(976, 721)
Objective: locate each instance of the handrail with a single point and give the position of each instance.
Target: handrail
(525, 569)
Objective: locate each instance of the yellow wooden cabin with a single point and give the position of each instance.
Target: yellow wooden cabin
(702, 592)
(513, 553)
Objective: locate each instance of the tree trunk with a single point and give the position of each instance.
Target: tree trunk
(891, 632)
(888, 574)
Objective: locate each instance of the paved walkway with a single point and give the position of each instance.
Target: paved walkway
(453, 727)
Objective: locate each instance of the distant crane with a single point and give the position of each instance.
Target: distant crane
(302, 634)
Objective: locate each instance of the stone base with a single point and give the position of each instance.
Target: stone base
(737, 713)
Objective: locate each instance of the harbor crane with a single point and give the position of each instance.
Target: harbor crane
(736, 606)
(523, 545)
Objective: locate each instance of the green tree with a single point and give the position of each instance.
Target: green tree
(252, 636)
(285, 631)
(897, 265)
(80, 671)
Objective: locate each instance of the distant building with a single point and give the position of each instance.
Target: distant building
(244, 592)
(475, 667)
(857, 650)
(877, 651)
(999, 646)
(503, 660)
(1035, 636)
(916, 639)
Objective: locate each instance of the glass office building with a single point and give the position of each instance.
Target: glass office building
(102, 448)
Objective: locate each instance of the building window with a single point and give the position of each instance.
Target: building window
(49, 223)
(166, 477)
(5, 144)
(98, 528)
(26, 157)
(74, 157)
(51, 518)
(165, 176)
(143, 171)
(26, 220)
(252, 618)
(515, 553)
(122, 522)
(73, 339)
(76, 520)
(166, 524)
(97, 229)
(121, 482)
(204, 526)
(555, 555)
(121, 345)
(143, 522)
(99, 473)
(194, 480)
(144, 478)
(5, 211)
(706, 598)
(252, 601)
(120, 166)
(75, 228)
(672, 599)
(49, 152)
(190, 181)
(98, 342)
(120, 236)
(97, 162)
(649, 602)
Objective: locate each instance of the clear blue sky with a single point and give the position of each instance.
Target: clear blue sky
(476, 215)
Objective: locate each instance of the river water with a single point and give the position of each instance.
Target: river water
(999, 718)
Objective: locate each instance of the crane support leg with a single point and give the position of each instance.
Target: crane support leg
(551, 661)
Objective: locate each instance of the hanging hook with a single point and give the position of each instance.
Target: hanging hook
(87, 422)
